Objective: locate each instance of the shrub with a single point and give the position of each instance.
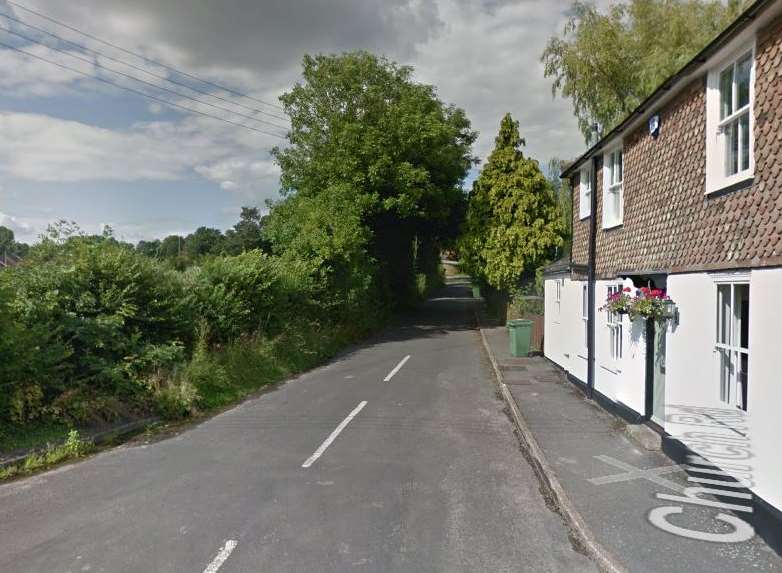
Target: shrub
(92, 331)
(103, 317)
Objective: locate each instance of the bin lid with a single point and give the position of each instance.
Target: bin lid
(519, 322)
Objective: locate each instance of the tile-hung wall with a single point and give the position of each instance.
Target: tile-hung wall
(669, 222)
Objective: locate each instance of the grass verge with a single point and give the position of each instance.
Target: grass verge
(73, 447)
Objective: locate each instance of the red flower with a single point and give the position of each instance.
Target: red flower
(627, 289)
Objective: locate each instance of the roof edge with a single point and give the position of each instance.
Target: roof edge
(735, 27)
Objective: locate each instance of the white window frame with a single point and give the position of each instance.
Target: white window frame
(717, 177)
(558, 295)
(613, 187)
(585, 193)
(585, 314)
(614, 324)
(728, 353)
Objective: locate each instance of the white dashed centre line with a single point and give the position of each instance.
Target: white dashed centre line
(333, 436)
(397, 368)
(222, 555)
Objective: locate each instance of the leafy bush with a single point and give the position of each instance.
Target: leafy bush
(93, 331)
(105, 317)
(251, 292)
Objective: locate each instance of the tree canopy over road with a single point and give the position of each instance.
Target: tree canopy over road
(362, 128)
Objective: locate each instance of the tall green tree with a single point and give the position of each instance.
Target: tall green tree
(247, 234)
(203, 241)
(149, 248)
(513, 221)
(171, 247)
(361, 122)
(608, 62)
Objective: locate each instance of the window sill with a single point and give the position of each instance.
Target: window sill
(611, 370)
(609, 226)
(583, 217)
(728, 185)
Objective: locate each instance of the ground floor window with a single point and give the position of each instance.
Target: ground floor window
(558, 299)
(585, 314)
(732, 346)
(614, 322)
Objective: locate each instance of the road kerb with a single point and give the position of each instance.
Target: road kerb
(549, 480)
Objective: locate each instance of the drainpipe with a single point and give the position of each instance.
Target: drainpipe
(591, 282)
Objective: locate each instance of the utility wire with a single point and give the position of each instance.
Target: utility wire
(149, 60)
(134, 78)
(138, 92)
(135, 67)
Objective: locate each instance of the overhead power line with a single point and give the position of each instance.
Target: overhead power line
(137, 55)
(134, 78)
(139, 68)
(138, 92)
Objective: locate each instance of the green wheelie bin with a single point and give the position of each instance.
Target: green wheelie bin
(520, 331)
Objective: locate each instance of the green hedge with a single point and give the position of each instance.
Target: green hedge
(91, 331)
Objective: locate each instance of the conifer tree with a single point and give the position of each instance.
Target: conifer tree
(513, 222)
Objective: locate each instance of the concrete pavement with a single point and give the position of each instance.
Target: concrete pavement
(613, 483)
(425, 476)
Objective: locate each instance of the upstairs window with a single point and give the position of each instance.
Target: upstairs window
(613, 197)
(729, 145)
(585, 193)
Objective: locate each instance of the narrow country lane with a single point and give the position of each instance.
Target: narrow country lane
(397, 456)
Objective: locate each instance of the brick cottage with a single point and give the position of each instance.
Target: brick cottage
(685, 196)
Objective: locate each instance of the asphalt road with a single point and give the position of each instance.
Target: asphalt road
(347, 468)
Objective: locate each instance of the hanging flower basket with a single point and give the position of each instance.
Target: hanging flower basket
(618, 302)
(647, 303)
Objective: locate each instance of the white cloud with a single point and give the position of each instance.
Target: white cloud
(16, 225)
(488, 62)
(44, 149)
(481, 55)
(22, 75)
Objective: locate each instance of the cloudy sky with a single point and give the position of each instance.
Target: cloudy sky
(78, 148)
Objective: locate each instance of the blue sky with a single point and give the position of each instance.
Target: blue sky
(78, 149)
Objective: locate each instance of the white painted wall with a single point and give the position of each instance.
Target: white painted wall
(620, 380)
(693, 377)
(564, 341)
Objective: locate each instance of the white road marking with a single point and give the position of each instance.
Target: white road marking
(333, 436)
(222, 555)
(397, 368)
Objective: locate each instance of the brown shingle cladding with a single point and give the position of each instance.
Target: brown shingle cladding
(669, 222)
